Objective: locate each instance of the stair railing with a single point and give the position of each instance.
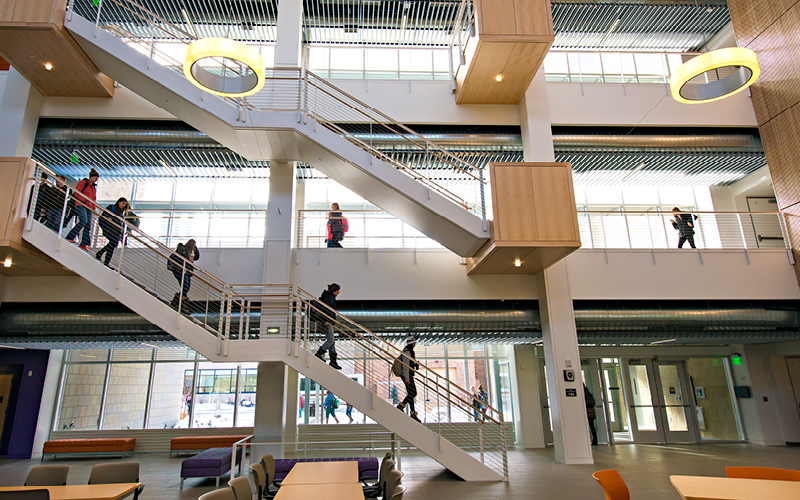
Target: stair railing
(463, 31)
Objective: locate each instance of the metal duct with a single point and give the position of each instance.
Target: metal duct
(185, 138)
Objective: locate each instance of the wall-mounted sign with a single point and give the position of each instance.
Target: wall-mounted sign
(572, 393)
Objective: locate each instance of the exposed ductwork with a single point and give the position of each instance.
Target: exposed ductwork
(82, 136)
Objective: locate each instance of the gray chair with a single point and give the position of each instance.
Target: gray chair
(241, 488)
(259, 477)
(48, 475)
(399, 492)
(221, 494)
(25, 495)
(393, 479)
(377, 490)
(268, 462)
(114, 473)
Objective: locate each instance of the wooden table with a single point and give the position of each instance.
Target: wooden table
(322, 473)
(723, 488)
(82, 491)
(341, 491)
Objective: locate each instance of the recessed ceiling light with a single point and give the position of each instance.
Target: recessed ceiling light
(7, 262)
(517, 263)
(48, 66)
(499, 77)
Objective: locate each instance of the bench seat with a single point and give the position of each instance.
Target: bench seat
(215, 462)
(367, 466)
(89, 445)
(194, 443)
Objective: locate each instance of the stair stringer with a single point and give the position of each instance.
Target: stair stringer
(207, 344)
(285, 136)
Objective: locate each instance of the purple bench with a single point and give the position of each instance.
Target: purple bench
(214, 462)
(367, 466)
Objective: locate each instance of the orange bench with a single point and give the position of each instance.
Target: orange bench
(196, 443)
(89, 445)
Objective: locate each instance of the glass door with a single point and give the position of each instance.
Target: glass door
(660, 401)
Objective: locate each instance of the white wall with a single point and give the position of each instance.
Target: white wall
(680, 274)
(124, 105)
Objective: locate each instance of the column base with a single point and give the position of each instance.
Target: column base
(575, 461)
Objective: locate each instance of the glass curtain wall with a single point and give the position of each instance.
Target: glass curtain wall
(153, 389)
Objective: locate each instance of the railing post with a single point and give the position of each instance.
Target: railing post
(121, 255)
(786, 240)
(180, 293)
(480, 436)
(229, 293)
(69, 10)
(505, 450)
(37, 183)
(483, 200)
(63, 212)
(744, 239)
(97, 21)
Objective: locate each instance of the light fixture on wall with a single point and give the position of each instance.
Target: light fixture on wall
(735, 57)
(236, 85)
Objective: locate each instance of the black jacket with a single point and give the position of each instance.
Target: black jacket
(329, 300)
(684, 224)
(177, 264)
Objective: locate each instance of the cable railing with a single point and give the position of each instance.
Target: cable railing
(243, 313)
(463, 31)
(703, 230)
(296, 89)
(367, 229)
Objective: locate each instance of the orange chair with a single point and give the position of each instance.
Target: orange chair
(613, 485)
(763, 473)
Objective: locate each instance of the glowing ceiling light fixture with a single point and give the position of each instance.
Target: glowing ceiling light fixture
(8, 262)
(517, 263)
(745, 59)
(499, 77)
(48, 66)
(237, 85)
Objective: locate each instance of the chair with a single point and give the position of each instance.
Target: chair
(393, 479)
(259, 476)
(377, 490)
(241, 488)
(114, 473)
(221, 494)
(268, 462)
(48, 475)
(399, 492)
(771, 473)
(613, 485)
(25, 495)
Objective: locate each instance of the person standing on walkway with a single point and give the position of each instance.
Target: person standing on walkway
(337, 226)
(407, 366)
(326, 316)
(85, 195)
(330, 404)
(349, 412)
(178, 265)
(684, 224)
(301, 404)
(591, 413)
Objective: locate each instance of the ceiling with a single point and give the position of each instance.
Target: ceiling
(652, 25)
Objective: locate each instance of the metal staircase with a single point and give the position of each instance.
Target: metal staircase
(297, 116)
(216, 319)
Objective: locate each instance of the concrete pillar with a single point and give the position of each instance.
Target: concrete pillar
(527, 398)
(20, 111)
(567, 407)
(278, 245)
(270, 413)
(534, 114)
(289, 46)
(47, 408)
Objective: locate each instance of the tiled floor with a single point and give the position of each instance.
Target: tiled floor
(533, 474)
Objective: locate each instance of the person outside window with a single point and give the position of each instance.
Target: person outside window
(301, 404)
(684, 224)
(326, 316)
(111, 223)
(337, 226)
(408, 367)
(476, 403)
(349, 412)
(330, 404)
(85, 195)
(175, 264)
(591, 413)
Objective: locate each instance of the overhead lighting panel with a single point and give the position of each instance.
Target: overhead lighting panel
(737, 57)
(250, 81)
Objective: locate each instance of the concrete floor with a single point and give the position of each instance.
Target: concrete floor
(533, 474)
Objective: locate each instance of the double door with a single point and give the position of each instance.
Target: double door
(660, 404)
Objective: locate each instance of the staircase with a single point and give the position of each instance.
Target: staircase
(299, 116)
(216, 321)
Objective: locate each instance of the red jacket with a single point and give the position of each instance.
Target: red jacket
(86, 194)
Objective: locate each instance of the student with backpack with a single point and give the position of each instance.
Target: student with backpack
(337, 226)
(180, 261)
(325, 316)
(111, 223)
(330, 404)
(85, 195)
(405, 366)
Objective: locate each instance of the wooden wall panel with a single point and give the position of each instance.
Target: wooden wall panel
(533, 17)
(39, 11)
(496, 17)
(772, 29)
(16, 179)
(513, 204)
(554, 204)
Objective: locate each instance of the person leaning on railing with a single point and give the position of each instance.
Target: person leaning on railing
(182, 269)
(85, 195)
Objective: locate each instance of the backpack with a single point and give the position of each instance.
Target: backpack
(316, 312)
(172, 263)
(397, 366)
(335, 403)
(104, 221)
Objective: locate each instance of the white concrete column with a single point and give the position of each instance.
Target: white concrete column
(270, 414)
(567, 406)
(48, 404)
(20, 111)
(526, 397)
(280, 211)
(534, 114)
(289, 46)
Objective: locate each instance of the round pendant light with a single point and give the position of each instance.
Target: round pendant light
(736, 57)
(218, 80)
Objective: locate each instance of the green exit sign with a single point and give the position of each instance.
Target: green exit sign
(736, 360)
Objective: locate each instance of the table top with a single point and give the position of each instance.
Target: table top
(82, 491)
(345, 491)
(322, 473)
(724, 488)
